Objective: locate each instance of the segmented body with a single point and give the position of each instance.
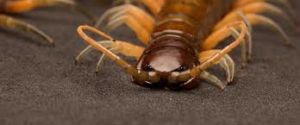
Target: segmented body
(191, 19)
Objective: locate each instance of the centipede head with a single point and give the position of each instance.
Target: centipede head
(168, 58)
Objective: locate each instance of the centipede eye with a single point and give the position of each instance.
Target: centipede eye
(181, 68)
(148, 68)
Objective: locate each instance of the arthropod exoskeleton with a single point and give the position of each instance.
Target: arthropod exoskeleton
(21, 6)
(180, 37)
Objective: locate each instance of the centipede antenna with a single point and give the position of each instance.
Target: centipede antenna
(9, 22)
(122, 63)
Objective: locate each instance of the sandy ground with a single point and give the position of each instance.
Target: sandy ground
(41, 85)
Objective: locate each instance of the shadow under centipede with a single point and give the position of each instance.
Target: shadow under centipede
(195, 91)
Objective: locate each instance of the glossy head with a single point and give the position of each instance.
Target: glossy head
(165, 59)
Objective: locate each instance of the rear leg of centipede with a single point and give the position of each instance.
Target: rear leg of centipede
(9, 22)
(285, 3)
(255, 20)
(264, 7)
(260, 8)
(132, 16)
(251, 17)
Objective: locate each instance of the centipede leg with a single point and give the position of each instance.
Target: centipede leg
(154, 5)
(246, 52)
(99, 63)
(131, 16)
(285, 3)
(9, 22)
(226, 64)
(89, 48)
(142, 34)
(263, 7)
(214, 38)
(254, 20)
(212, 79)
(260, 8)
(220, 35)
(20, 6)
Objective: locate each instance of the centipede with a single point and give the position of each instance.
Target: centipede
(21, 6)
(180, 38)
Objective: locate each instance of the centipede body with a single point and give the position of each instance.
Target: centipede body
(181, 40)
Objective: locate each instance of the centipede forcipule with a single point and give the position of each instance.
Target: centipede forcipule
(181, 38)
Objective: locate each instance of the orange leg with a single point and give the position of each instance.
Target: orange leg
(135, 18)
(250, 13)
(9, 22)
(154, 5)
(263, 7)
(285, 3)
(226, 63)
(21, 6)
(196, 72)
